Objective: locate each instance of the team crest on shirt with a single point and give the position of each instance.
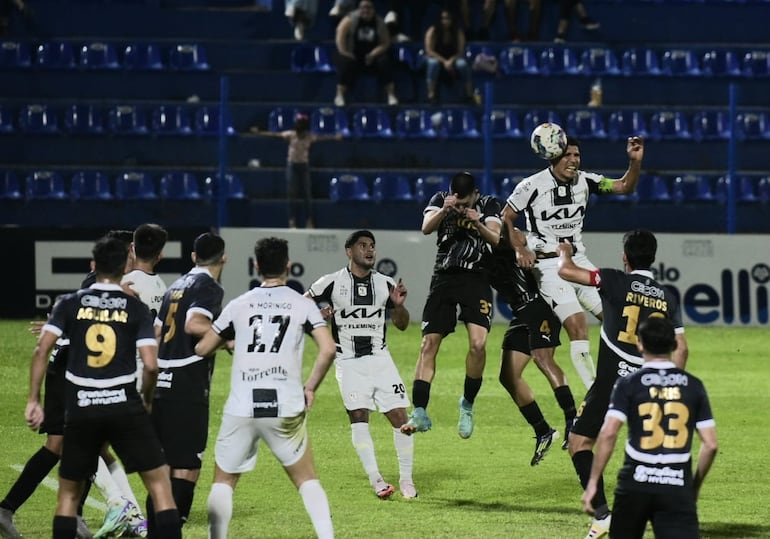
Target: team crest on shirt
(362, 289)
(561, 191)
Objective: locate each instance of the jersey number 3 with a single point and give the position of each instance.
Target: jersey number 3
(665, 425)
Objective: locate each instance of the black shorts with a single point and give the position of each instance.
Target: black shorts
(467, 289)
(132, 438)
(533, 326)
(673, 516)
(182, 429)
(53, 402)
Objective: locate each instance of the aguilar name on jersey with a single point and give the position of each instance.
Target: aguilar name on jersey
(360, 304)
(554, 210)
(460, 246)
(184, 375)
(663, 406)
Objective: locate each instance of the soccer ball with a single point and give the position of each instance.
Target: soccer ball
(548, 141)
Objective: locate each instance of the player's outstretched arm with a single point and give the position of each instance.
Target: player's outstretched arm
(568, 270)
(34, 411)
(326, 353)
(605, 444)
(706, 456)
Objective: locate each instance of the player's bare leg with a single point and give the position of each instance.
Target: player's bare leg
(581, 451)
(475, 361)
(158, 484)
(545, 362)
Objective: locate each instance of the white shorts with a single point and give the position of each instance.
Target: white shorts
(567, 298)
(371, 383)
(238, 440)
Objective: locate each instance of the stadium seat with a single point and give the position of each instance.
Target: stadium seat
(669, 125)
(142, 56)
(557, 61)
(585, 124)
(37, 119)
(311, 59)
(652, 189)
(99, 55)
(84, 119)
(127, 120)
(57, 55)
(403, 55)
(414, 123)
(427, 186)
(188, 57)
(14, 54)
(179, 186)
(763, 190)
(348, 187)
(371, 122)
(90, 186)
(626, 123)
(534, 118)
(171, 120)
(135, 186)
(392, 187)
(505, 124)
(640, 62)
(6, 119)
(207, 122)
(9, 186)
(518, 60)
(507, 185)
(329, 121)
(233, 187)
(746, 189)
(710, 125)
(693, 188)
(281, 119)
(720, 62)
(598, 61)
(45, 185)
(680, 62)
(752, 125)
(457, 123)
(756, 64)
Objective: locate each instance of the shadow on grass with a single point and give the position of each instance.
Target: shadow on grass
(719, 530)
(476, 505)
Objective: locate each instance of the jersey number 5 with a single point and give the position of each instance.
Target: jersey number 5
(658, 421)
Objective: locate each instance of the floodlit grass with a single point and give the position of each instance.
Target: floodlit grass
(481, 487)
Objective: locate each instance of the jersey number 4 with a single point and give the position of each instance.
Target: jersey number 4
(664, 426)
(257, 322)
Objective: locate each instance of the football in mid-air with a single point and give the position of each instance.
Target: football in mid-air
(548, 141)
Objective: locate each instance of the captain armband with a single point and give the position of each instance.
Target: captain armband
(596, 278)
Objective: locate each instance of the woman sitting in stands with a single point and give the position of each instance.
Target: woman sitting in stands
(444, 50)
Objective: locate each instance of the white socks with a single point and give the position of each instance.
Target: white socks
(317, 507)
(107, 485)
(121, 479)
(583, 362)
(220, 509)
(362, 441)
(405, 452)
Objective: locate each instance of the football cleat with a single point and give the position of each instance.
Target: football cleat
(117, 520)
(407, 488)
(418, 422)
(542, 445)
(465, 423)
(7, 527)
(82, 531)
(599, 528)
(382, 489)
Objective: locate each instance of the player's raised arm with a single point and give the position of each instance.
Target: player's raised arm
(399, 314)
(433, 217)
(627, 183)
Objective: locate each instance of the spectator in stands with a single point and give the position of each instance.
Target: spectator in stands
(445, 51)
(487, 14)
(396, 16)
(341, 8)
(565, 11)
(363, 44)
(298, 186)
(301, 15)
(533, 25)
(6, 10)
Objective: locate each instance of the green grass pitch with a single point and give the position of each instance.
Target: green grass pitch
(481, 487)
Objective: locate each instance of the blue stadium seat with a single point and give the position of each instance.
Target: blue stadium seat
(84, 119)
(371, 122)
(14, 54)
(45, 185)
(680, 62)
(135, 186)
(311, 59)
(427, 186)
(507, 185)
(188, 57)
(457, 123)
(179, 186)
(585, 124)
(711, 125)
(142, 56)
(233, 186)
(329, 121)
(171, 120)
(99, 55)
(207, 122)
(598, 61)
(403, 55)
(756, 64)
(505, 124)
(9, 186)
(127, 120)
(534, 118)
(669, 125)
(557, 61)
(518, 60)
(414, 123)
(56, 55)
(392, 187)
(348, 187)
(6, 119)
(281, 119)
(693, 188)
(720, 62)
(763, 190)
(626, 123)
(38, 119)
(640, 62)
(752, 125)
(90, 186)
(745, 194)
(652, 189)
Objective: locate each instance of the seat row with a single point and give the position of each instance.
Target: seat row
(118, 119)
(522, 59)
(511, 123)
(102, 55)
(93, 185)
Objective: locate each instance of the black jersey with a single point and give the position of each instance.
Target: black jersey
(184, 375)
(460, 246)
(663, 406)
(105, 327)
(628, 299)
(516, 285)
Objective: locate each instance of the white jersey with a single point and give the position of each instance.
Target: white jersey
(360, 304)
(268, 324)
(554, 210)
(149, 286)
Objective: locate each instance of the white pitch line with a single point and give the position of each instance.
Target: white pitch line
(53, 484)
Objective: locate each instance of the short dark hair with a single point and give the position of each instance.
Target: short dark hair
(110, 255)
(657, 335)
(640, 246)
(573, 141)
(149, 240)
(126, 236)
(272, 256)
(463, 184)
(208, 249)
(357, 235)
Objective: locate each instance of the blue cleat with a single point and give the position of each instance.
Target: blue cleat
(465, 423)
(418, 422)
